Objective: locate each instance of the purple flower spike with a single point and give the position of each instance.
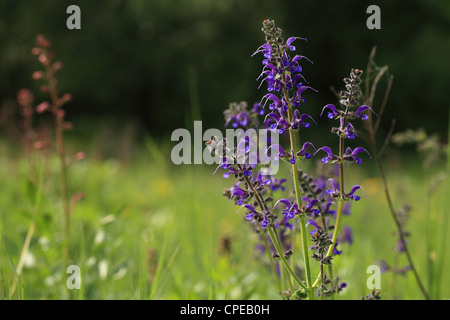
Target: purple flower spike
(363, 108)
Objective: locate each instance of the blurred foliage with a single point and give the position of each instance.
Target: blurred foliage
(165, 63)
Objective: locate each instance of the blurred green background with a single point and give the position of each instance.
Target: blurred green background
(162, 63)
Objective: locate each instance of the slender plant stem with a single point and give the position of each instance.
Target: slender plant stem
(394, 216)
(341, 197)
(294, 145)
(59, 133)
